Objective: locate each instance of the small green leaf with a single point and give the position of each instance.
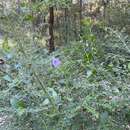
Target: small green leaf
(17, 103)
(129, 66)
(104, 117)
(89, 73)
(21, 104)
(13, 102)
(46, 102)
(28, 18)
(88, 57)
(5, 45)
(21, 111)
(7, 78)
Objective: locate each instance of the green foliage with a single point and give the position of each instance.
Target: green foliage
(89, 90)
(118, 15)
(82, 91)
(5, 45)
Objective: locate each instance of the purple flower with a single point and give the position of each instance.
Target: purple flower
(56, 62)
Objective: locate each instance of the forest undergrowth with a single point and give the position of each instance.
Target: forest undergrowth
(84, 85)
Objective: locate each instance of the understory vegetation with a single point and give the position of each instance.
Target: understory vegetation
(83, 83)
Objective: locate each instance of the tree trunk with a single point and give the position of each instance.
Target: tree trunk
(66, 25)
(105, 4)
(80, 15)
(51, 25)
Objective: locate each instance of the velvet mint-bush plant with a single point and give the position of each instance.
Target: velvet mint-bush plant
(63, 91)
(73, 88)
(80, 102)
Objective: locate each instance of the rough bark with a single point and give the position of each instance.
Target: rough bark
(51, 25)
(66, 25)
(80, 15)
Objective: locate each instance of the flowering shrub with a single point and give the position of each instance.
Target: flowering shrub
(84, 88)
(82, 93)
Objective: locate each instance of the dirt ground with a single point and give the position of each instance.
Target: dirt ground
(4, 122)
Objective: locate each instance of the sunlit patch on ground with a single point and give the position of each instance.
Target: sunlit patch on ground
(4, 122)
(11, 43)
(1, 41)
